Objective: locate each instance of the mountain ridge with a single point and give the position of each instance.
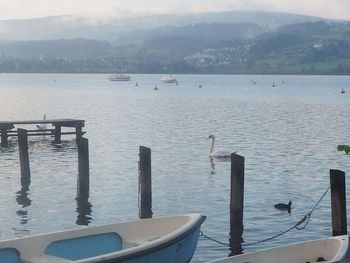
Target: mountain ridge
(311, 46)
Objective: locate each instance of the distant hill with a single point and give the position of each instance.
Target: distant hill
(72, 48)
(226, 42)
(67, 27)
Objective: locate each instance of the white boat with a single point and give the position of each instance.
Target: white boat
(119, 77)
(330, 249)
(168, 79)
(165, 239)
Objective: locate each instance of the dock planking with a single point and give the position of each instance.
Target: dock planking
(8, 128)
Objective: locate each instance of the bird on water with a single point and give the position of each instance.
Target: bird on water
(218, 153)
(281, 206)
(42, 126)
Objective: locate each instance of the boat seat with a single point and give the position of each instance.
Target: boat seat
(85, 246)
(9, 255)
(44, 259)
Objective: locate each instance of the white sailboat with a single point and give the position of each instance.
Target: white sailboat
(168, 79)
(120, 76)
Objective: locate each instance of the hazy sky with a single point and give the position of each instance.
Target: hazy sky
(22, 9)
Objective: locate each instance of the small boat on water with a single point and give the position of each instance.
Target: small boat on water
(119, 77)
(168, 79)
(331, 249)
(342, 91)
(166, 239)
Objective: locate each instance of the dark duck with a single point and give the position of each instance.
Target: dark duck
(281, 206)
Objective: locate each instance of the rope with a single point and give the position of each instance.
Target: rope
(300, 225)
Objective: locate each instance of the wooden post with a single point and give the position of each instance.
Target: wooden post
(57, 134)
(338, 202)
(145, 183)
(83, 167)
(4, 142)
(78, 132)
(236, 204)
(24, 156)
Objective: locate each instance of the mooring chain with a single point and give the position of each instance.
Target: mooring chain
(213, 239)
(300, 225)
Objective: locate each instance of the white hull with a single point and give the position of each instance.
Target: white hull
(119, 77)
(323, 250)
(168, 79)
(167, 239)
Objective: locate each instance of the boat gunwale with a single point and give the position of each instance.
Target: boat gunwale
(341, 252)
(186, 228)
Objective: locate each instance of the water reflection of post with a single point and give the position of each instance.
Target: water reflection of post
(83, 184)
(22, 195)
(236, 204)
(84, 210)
(23, 200)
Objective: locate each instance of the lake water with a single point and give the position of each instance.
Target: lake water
(288, 135)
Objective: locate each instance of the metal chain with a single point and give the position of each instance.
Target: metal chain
(300, 225)
(213, 239)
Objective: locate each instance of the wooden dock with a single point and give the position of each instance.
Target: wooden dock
(8, 128)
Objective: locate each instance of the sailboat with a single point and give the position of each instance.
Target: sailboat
(119, 77)
(168, 79)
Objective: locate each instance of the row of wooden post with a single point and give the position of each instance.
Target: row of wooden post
(337, 184)
(83, 162)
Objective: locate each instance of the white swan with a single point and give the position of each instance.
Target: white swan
(217, 153)
(42, 126)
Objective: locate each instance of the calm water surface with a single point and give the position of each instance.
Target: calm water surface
(288, 135)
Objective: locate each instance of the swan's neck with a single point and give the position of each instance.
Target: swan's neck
(212, 145)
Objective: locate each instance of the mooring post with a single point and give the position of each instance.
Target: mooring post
(24, 156)
(145, 183)
(338, 202)
(78, 132)
(57, 134)
(4, 142)
(83, 167)
(236, 204)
